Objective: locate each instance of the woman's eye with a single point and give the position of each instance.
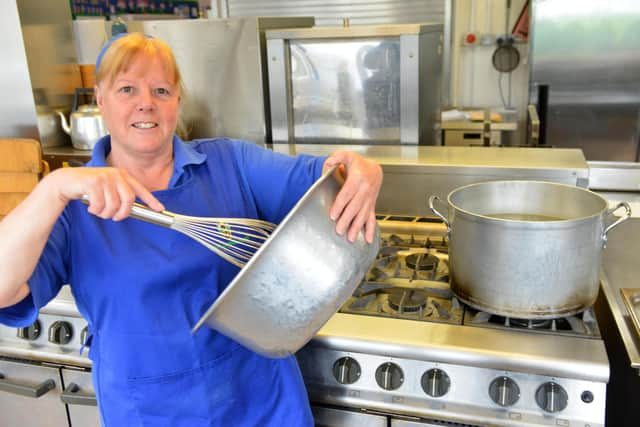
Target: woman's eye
(162, 91)
(126, 89)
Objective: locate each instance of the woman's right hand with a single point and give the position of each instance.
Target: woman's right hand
(111, 191)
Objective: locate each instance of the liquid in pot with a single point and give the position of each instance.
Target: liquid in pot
(525, 217)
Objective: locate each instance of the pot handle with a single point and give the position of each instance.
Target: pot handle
(626, 216)
(432, 200)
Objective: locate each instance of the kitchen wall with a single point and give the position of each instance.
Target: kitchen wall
(17, 108)
(469, 78)
(40, 67)
(474, 81)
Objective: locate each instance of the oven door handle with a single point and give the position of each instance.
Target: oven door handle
(25, 390)
(72, 396)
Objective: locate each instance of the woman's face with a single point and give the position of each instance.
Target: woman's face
(140, 107)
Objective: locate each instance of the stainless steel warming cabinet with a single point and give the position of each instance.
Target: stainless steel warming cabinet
(355, 85)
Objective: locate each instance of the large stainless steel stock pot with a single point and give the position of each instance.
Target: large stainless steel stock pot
(296, 281)
(526, 249)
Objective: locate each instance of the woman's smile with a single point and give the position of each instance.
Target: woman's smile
(145, 125)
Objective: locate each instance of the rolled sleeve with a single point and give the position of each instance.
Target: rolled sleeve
(47, 278)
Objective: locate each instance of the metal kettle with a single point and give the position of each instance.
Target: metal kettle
(85, 125)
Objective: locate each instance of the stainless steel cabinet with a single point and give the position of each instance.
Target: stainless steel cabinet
(30, 396)
(355, 85)
(80, 398)
(331, 417)
(584, 60)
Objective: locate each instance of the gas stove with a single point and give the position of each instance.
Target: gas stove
(45, 369)
(404, 347)
(58, 336)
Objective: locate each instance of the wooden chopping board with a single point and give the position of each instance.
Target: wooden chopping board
(21, 167)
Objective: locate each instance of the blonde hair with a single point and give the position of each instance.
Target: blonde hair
(123, 51)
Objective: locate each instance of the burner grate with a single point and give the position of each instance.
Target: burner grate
(434, 304)
(581, 324)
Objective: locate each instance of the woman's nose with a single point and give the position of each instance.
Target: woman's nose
(146, 101)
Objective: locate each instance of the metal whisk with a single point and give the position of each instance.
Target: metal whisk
(234, 239)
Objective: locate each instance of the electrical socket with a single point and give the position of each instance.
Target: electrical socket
(487, 39)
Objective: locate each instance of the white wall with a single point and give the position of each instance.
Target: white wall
(17, 108)
(474, 80)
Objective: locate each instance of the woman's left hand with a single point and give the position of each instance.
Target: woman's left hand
(354, 207)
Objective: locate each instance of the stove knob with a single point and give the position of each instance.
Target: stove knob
(551, 397)
(60, 332)
(504, 391)
(435, 382)
(30, 333)
(389, 376)
(346, 370)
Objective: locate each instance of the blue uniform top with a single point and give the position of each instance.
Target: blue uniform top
(142, 287)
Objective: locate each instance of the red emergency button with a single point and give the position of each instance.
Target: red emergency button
(471, 38)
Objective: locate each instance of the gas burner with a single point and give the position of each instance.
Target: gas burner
(530, 323)
(407, 300)
(422, 262)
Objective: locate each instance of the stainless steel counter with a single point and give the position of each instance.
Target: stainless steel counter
(622, 270)
(415, 156)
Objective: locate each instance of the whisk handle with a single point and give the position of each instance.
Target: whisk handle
(142, 212)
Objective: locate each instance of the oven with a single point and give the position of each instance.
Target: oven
(404, 351)
(45, 374)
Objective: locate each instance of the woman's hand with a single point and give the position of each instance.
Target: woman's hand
(111, 191)
(27, 227)
(354, 207)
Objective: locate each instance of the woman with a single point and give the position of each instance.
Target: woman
(142, 287)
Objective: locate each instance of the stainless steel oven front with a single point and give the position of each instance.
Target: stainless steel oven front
(45, 373)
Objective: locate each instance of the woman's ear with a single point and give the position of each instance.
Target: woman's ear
(98, 94)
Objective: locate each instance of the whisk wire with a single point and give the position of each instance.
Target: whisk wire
(222, 242)
(235, 240)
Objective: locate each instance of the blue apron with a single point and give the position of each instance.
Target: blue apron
(142, 287)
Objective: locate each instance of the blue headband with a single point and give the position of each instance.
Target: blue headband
(108, 44)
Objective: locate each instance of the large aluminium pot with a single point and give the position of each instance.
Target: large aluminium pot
(296, 281)
(526, 249)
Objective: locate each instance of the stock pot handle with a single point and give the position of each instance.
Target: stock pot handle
(626, 216)
(432, 200)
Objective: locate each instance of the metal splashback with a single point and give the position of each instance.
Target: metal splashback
(359, 85)
(37, 57)
(413, 173)
(586, 53)
(222, 68)
(17, 108)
